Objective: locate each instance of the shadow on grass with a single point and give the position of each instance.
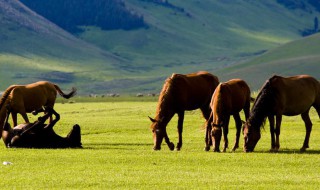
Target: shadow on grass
(122, 146)
(288, 151)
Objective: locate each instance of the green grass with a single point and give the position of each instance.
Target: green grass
(118, 154)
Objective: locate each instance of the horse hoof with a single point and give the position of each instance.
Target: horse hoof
(206, 148)
(303, 149)
(171, 146)
(274, 150)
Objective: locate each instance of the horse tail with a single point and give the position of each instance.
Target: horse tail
(6, 94)
(66, 96)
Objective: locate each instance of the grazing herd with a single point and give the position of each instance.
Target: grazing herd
(217, 101)
(279, 96)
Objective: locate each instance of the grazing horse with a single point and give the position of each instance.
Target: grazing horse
(282, 96)
(180, 93)
(228, 99)
(27, 98)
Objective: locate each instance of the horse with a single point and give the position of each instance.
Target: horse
(180, 93)
(24, 99)
(39, 134)
(279, 96)
(228, 99)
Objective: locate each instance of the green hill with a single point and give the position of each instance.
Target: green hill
(182, 36)
(34, 49)
(294, 58)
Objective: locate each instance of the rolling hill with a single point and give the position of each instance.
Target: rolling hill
(294, 58)
(232, 39)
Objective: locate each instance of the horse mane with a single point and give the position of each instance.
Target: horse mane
(6, 94)
(262, 105)
(166, 94)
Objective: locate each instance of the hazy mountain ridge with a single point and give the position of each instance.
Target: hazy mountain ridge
(182, 36)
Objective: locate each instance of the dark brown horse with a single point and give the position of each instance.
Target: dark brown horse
(228, 99)
(282, 96)
(180, 93)
(27, 98)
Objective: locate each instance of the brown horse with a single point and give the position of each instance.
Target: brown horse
(282, 96)
(27, 98)
(228, 99)
(180, 93)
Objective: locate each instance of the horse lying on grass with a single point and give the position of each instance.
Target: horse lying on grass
(27, 98)
(39, 134)
(228, 99)
(180, 93)
(282, 96)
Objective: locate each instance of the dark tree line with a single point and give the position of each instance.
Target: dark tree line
(69, 14)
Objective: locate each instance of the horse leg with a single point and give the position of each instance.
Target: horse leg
(25, 117)
(225, 133)
(272, 133)
(180, 127)
(277, 131)
(206, 112)
(237, 119)
(208, 139)
(166, 138)
(305, 117)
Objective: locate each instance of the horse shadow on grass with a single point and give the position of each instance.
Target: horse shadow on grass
(289, 151)
(116, 146)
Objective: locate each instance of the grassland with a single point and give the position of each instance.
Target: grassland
(118, 154)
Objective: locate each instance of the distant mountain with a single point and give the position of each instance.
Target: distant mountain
(69, 14)
(173, 36)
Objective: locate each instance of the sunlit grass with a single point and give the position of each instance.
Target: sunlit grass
(118, 154)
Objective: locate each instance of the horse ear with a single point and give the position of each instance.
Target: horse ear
(152, 120)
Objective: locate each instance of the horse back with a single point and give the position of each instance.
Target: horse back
(295, 94)
(33, 96)
(231, 96)
(194, 90)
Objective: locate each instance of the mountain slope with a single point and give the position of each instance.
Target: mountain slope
(294, 58)
(182, 36)
(34, 49)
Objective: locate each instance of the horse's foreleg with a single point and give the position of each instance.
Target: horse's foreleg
(308, 124)
(272, 133)
(180, 128)
(225, 133)
(238, 121)
(170, 144)
(277, 131)
(15, 120)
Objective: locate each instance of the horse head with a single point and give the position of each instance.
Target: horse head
(251, 136)
(159, 132)
(216, 134)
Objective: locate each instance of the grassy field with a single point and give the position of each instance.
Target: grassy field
(117, 154)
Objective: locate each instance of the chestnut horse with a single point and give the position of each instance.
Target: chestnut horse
(179, 93)
(27, 98)
(282, 96)
(228, 99)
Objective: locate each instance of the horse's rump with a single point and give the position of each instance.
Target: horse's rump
(188, 92)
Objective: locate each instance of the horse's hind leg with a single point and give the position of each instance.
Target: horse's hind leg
(237, 119)
(206, 112)
(208, 138)
(225, 133)
(308, 124)
(180, 128)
